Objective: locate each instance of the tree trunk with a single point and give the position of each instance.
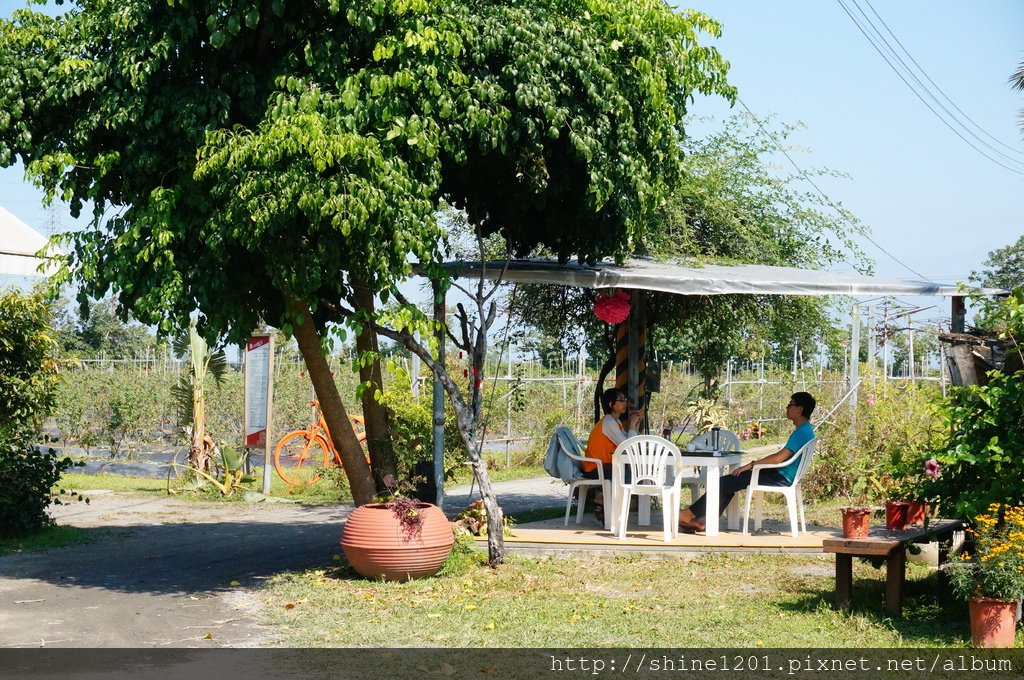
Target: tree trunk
(495, 520)
(344, 439)
(375, 414)
(599, 386)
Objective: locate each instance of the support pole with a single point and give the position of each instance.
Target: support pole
(438, 396)
(871, 337)
(854, 355)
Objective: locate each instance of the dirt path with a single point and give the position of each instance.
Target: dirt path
(160, 570)
(160, 573)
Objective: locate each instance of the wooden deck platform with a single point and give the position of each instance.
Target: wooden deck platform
(553, 537)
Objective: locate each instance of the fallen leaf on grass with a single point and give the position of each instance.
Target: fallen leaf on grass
(489, 626)
(235, 583)
(471, 606)
(289, 606)
(489, 669)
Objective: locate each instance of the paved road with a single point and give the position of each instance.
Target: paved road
(160, 571)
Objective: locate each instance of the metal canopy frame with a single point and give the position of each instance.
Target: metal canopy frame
(690, 278)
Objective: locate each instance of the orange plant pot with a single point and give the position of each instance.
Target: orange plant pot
(993, 621)
(896, 515)
(916, 512)
(856, 521)
(376, 548)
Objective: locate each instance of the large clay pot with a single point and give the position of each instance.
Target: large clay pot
(993, 621)
(916, 512)
(856, 521)
(896, 515)
(375, 547)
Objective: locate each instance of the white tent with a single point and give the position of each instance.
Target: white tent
(18, 245)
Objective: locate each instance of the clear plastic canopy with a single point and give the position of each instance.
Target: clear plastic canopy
(710, 279)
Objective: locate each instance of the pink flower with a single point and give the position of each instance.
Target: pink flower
(932, 467)
(612, 307)
(870, 400)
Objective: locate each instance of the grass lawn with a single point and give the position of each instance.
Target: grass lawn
(318, 493)
(626, 601)
(50, 537)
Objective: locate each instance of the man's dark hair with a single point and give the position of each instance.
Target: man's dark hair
(608, 398)
(805, 401)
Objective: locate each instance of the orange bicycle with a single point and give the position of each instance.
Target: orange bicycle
(301, 456)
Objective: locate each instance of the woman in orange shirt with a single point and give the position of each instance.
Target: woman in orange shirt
(607, 434)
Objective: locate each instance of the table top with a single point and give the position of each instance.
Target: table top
(710, 458)
(882, 540)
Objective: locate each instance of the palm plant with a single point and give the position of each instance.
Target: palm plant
(189, 393)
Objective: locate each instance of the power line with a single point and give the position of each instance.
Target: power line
(936, 86)
(926, 89)
(821, 193)
(945, 122)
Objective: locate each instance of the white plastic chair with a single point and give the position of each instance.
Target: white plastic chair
(650, 460)
(793, 492)
(727, 441)
(605, 484)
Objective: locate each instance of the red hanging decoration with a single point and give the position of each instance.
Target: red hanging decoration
(612, 306)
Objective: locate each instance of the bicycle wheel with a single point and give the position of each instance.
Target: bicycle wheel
(299, 459)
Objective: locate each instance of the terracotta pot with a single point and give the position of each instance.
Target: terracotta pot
(375, 547)
(993, 621)
(896, 515)
(916, 512)
(856, 521)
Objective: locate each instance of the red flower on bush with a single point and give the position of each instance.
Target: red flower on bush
(612, 306)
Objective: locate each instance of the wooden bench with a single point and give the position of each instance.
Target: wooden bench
(890, 545)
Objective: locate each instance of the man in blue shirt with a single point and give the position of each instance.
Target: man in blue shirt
(801, 406)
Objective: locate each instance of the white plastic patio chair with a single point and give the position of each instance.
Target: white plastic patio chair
(653, 464)
(793, 492)
(695, 477)
(605, 484)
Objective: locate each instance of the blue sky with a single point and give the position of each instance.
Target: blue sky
(928, 197)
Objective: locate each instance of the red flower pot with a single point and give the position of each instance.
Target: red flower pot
(856, 521)
(896, 515)
(916, 512)
(376, 548)
(993, 621)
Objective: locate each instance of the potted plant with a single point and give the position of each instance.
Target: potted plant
(856, 520)
(992, 577)
(918, 490)
(397, 540)
(896, 515)
(857, 515)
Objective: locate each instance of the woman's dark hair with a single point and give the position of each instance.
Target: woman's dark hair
(805, 401)
(608, 398)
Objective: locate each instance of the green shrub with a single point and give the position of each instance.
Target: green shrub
(29, 371)
(28, 382)
(412, 428)
(983, 459)
(874, 454)
(28, 475)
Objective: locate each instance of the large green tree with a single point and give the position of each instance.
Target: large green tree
(256, 159)
(1004, 267)
(730, 205)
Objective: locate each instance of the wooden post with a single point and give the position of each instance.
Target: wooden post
(958, 314)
